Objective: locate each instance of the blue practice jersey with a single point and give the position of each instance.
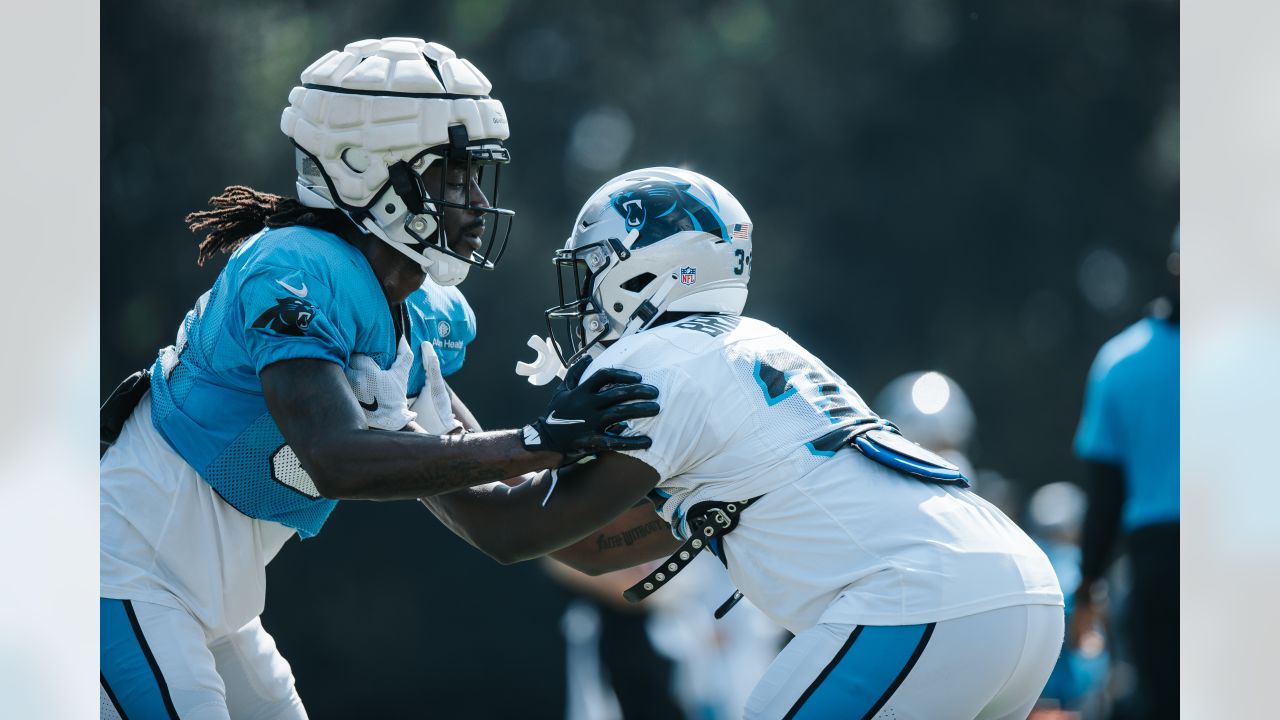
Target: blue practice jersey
(286, 293)
(1131, 419)
(442, 316)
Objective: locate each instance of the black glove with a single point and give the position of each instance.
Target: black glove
(119, 406)
(579, 416)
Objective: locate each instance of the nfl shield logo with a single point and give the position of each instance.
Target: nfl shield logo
(688, 275)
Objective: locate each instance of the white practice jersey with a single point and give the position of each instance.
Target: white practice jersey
(836, 537)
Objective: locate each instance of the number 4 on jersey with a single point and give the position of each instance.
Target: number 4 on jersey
(781, 374)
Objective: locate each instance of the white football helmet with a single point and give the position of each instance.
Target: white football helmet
(648, 242)
(370, 119)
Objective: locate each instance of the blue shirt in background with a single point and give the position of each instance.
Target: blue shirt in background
(1131, 418)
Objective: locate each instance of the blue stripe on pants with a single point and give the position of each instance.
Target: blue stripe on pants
(865, 672)
(129, 670)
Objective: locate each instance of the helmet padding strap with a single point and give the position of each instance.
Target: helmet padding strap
(408, 185)
(650, 309)
(372, 228)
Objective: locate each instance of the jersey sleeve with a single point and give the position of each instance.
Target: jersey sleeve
(1098, 437)
(290, 314)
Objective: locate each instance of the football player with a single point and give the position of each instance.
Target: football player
(264, 412)
(909, 595)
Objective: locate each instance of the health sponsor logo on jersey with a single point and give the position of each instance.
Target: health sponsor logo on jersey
(290, 316)
(443, 330)
(658, 209)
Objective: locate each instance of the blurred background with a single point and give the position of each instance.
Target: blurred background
(984, 189)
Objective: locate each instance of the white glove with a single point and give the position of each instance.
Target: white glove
(383, 393)
(546, 367)
(434, 405)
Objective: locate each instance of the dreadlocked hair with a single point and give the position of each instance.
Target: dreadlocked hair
(241, 211)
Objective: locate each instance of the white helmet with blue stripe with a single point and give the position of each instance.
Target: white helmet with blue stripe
(648, 242)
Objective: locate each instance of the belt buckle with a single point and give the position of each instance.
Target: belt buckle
(721, 518)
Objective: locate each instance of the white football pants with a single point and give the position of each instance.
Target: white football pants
(157, 663)
(988, 666)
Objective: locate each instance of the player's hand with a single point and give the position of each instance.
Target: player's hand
(1084, 624)
(434, 405)
(383, 393)
(579, 415)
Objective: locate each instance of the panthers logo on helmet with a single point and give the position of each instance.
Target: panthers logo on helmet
(659, 209)
(290, 316)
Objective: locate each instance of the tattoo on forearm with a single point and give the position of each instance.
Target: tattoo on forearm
(627, 537)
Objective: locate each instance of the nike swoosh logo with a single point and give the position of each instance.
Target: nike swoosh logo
(296, 291)
(553, 420)
(371, 407)
(531, 436)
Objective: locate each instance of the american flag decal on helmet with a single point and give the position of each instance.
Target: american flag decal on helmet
(740, 231)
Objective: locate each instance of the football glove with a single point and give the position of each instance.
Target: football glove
(580, 416)
(434, 405)
(383, 393)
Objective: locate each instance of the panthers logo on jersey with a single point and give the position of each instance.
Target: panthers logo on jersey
(659, 209)
(290, 316)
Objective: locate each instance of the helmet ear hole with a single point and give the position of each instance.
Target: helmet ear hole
(356, 159)
(637, 283)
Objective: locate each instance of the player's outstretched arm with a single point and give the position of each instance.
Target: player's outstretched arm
(312, 403)
(636, 536)
(1097, 543)
(511, 524)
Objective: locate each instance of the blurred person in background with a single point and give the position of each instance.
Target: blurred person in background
(1054, 517)
(933, 410)
(631, 660)
(613, 668)
(1129, 435)
(908, 594)
(269, 406)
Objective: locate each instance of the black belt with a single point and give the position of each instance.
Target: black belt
(708, 522)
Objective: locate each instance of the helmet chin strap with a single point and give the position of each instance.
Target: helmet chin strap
(446, 271)
(638, 321)
(442, 269)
